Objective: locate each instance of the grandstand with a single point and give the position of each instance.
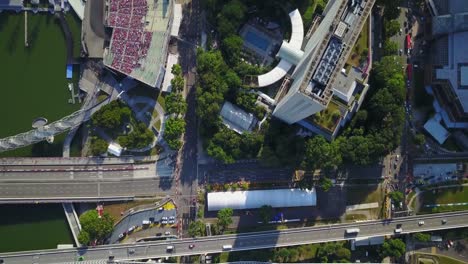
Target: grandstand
(140, 37)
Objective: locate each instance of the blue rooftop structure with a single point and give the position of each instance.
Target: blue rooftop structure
(69, 71)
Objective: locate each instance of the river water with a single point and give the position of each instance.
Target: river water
(30, 227)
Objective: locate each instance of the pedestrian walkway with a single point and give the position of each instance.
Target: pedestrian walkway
(73, 221)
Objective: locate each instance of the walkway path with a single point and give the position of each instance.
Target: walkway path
(73, 221)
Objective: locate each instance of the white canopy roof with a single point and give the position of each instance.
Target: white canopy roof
(291, 49)
(437, 131)
(177, 20)
(258, 198)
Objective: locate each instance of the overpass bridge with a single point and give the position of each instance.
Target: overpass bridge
(239, 242)
(56, 180)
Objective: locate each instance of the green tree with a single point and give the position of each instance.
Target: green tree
(392, 27)
(196, 229)
(396, 196)
(419, 139)
(176, 69)
(83, 237)
(320, 154)
(98, 146)
(175, 127)
(423, 237)
(390, 47)
(225, 217)
(178, 83)
(393, 248)
(325, 184)
(96, 227)
(175, 104)
(232, 47)
(343, 254)
(111, 115)
(265, 213)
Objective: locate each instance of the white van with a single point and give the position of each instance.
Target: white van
(352, 231)
(170, 248)
(227, 247)
(146, 222)
(398, 230)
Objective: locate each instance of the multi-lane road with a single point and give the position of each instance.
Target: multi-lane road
(239, 242)
(31, 180)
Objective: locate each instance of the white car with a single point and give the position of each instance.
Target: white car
(164, 218)
(172, 221)
(171, 217)
(421, 223)
(167, 233)
(164, 222)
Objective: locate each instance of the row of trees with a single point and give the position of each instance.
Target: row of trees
(176, 107)
(224, 219)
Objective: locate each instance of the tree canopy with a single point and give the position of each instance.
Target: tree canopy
(393, 248)
(174, 129)
(392, 27)
(265, 212)
(225, 218)
(96, 228)
(111, 115)
(196, 228)
(320, 153)
(423, 237)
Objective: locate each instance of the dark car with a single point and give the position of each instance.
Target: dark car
(158, 234)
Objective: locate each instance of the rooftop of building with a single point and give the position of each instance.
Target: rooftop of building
(457, 65)
(139, 38)
(237, 119)
(11, 3)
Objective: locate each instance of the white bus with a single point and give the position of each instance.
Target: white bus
(350, 231)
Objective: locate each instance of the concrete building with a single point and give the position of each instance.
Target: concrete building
(13, 5)
(448, 71)
(320, 83)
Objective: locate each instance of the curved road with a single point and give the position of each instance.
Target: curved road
(239, 242)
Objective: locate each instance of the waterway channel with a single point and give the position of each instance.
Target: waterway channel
(30, 227)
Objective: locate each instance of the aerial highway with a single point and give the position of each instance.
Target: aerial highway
(239, 242)
(31, 180)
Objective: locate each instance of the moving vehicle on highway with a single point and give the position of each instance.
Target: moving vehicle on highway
(191, 246)
(227, 247)
(421, 223)
(352, 231)
(170, 248)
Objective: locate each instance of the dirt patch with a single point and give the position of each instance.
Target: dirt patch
(116, 209)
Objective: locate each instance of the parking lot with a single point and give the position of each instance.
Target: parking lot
(435, 173)
(146, 223)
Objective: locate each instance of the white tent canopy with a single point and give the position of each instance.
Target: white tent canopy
(255, 199)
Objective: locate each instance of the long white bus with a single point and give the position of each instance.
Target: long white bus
(227, 247)
(350, 231)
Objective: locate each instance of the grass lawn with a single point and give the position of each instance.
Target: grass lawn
(353, 217)
(445, 196)
(329, 117)
(162, 101)
(436, 259)
(363, 194)
(33, 80)
(361, 44)
(74, 24)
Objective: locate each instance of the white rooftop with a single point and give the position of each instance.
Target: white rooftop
(239, 200)
(115, 149)
(177, 20)
(294, 50)
(437, 131)
(237, 119)
(168, 76)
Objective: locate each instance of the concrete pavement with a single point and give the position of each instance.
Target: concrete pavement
(239, 242)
